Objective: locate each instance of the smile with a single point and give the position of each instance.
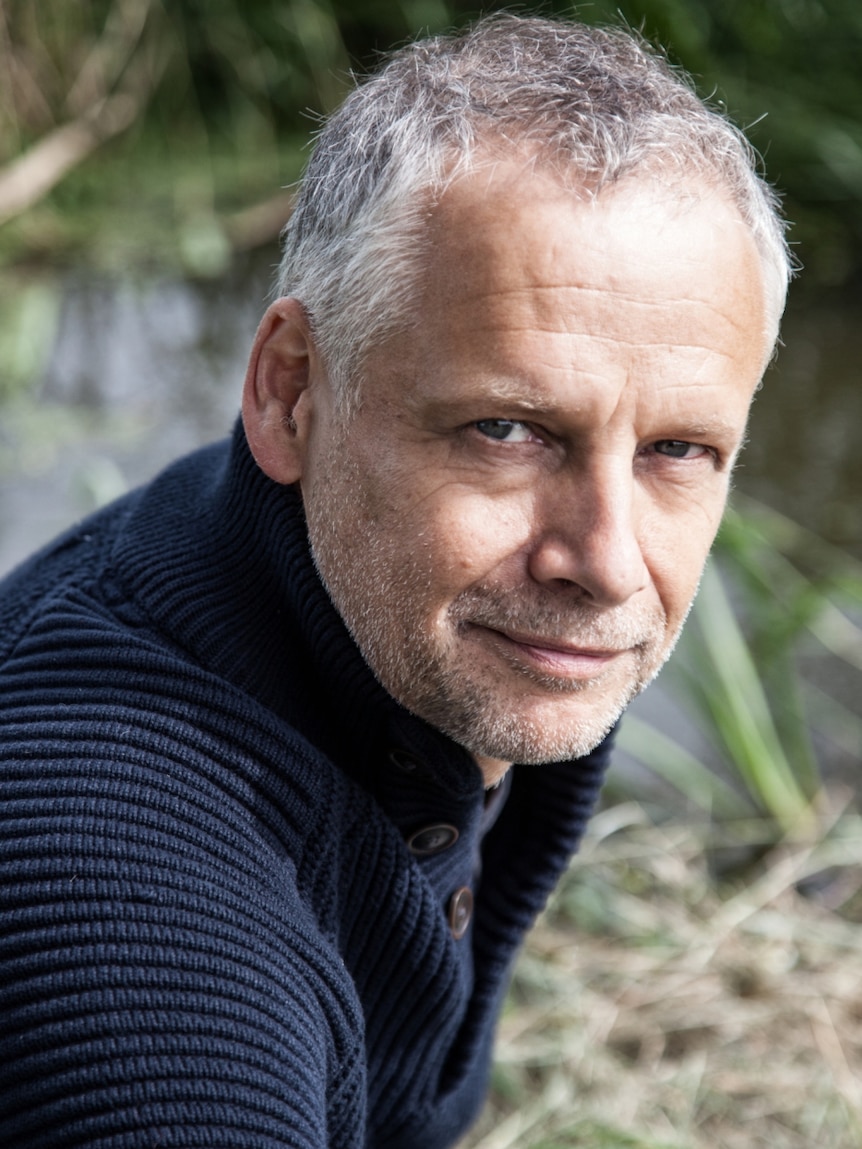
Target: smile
(551, 656)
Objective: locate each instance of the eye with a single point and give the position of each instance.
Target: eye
(680, 449)
(504, 430)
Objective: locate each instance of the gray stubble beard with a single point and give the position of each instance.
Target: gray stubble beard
(428, 679)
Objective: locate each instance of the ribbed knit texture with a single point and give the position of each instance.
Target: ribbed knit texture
(213, 933)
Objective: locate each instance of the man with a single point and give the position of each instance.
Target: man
(267, 860)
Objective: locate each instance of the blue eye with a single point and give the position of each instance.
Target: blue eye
(504, 430)
(679, 448)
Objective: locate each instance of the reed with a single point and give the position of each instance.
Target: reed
(778, 608)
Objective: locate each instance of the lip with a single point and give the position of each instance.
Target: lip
(568, 660)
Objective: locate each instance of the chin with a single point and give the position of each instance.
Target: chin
(533, 739)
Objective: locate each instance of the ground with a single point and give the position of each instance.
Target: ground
(659, 1004)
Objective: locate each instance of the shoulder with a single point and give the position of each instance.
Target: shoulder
(161, 966)
(83, 555)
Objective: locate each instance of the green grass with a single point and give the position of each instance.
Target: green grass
(775, 606)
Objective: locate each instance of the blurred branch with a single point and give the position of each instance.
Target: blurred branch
(30, 176)
(259, 224)
(110, 54)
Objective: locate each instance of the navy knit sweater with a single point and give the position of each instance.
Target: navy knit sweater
(213, 932)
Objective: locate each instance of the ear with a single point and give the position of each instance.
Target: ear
(277, 394)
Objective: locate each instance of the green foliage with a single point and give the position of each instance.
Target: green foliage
(221, 98)
(226, 94)
(783, 603)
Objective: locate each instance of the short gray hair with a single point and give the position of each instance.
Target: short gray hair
(595, 104)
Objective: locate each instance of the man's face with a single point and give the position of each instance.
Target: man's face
(514, 524)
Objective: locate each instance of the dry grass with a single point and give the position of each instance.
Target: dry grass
(658, 1006)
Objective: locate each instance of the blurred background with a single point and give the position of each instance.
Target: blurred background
(147, 150)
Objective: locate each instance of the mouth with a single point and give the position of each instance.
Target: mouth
(555, 657)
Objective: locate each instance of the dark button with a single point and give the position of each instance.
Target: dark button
(405, 761)
(432, 839)
(460, 912)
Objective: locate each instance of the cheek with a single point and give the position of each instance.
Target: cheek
(675, 561)
(476, 540)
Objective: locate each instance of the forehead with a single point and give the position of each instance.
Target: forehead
(507, 228)
(518, 263)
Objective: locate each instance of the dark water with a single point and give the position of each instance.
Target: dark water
(135, 374)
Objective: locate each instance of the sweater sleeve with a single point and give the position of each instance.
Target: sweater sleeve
(162, 981)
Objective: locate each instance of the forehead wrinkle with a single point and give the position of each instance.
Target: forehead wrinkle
(536, 289)
(576, 317)
(613, 340)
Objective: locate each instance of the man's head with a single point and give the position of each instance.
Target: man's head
(529, 290)
(592, 105)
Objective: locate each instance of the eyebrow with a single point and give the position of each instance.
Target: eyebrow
(523, 403)
(516, 392)
(710, 428)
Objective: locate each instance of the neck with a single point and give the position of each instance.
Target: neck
(493, 769)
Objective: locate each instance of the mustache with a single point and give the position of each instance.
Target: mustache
(524, 612)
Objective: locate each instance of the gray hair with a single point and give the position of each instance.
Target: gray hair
(595, 104)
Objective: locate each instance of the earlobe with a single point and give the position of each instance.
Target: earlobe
(276, 401)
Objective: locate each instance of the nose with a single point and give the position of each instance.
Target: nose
(588, 535)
